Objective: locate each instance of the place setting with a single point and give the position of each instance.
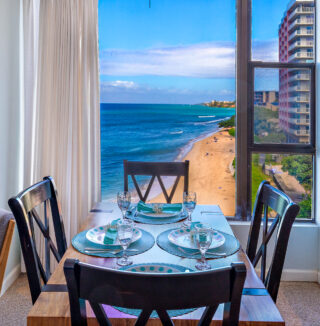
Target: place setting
(118, 239)
(152, 213)
(197, 240)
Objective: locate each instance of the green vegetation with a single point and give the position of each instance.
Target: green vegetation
(305, 208)
(232, 132)
(221, 104)
(257, 177)
(227, 123)
(266, 126)
(300, 166)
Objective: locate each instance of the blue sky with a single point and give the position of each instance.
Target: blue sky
(178, 51)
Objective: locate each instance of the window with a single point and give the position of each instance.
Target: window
(276, 106)
(167, 77)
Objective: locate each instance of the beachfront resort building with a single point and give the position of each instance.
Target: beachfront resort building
(267, 99)
(296, 44)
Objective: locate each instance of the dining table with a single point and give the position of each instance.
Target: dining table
(257, 307)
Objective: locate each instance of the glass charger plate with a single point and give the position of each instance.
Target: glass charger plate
(97, 234)
(184, 238)
(137, 217)
(156, 268)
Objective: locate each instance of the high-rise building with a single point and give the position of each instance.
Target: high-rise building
(296, 44)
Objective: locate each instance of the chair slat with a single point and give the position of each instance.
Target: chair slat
(149, 292)
(23, 208)
(270, 197)
(156, 170)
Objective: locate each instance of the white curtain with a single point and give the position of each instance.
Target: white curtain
(61, 102)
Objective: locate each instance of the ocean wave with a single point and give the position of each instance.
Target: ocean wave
(176, 132)
(206, 116)
(208, 122)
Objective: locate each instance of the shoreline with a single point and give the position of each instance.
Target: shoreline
(209, 174)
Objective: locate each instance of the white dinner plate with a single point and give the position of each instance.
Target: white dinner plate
(97, 234)
(183, 238)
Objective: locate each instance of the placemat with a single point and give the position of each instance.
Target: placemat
(135, 216)
(80, 243)
(230, 247)
(171, 313)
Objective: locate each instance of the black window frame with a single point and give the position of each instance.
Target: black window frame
(245, 145)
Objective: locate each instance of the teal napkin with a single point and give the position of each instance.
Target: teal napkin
(166, 208)
(111, 234)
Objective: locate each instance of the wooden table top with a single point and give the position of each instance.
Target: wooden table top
(52, 308)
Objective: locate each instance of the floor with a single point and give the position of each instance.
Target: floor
(298, 302)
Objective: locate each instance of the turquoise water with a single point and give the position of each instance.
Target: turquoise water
(150, 132)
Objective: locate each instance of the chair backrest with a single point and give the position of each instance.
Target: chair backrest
(151, 292)
(156, 170)
(23, 207)
(6, 232)
(269, 198)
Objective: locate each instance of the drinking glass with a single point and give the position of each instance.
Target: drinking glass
(189, 204)
(203, 238)
(125, 233)
(124, 200)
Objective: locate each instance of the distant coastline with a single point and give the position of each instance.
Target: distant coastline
(220, 104)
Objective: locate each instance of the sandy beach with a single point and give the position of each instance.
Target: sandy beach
(210, 175)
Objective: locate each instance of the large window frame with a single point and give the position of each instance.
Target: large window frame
(245, 145)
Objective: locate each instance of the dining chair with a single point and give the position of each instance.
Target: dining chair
(6, 233)
(156, 170)
(285, 211)
(25, 207)
(151, 291)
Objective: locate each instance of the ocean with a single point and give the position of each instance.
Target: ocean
(150, 132)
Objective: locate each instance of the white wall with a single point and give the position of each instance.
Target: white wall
(9, 119)
(301, 262)
(317, 200)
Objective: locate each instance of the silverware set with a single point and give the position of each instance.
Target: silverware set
(111, 251)
(212, 254)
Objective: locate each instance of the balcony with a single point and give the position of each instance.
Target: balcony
(298, 132)
(301, 44)
(301, 32)
(299, 99)
(301, 122)
(301, 10)
(298, 110)
(299, 89)
(299, 77)
(301, 55)
(301, 22)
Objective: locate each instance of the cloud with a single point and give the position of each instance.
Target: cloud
(203, 60)
(265, 50)
(142, 93)
(121, 84)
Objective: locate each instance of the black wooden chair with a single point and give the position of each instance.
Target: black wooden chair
(151, 292)
(23, 207)
(156, 170)
(269, 198)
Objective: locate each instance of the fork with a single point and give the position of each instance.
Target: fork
(223, 254)
(90, 250)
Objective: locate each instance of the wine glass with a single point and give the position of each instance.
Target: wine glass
(125, 233)
(189, 204)
(203, 239)
(124, 200)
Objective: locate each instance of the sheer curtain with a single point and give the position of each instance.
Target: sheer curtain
(61, 102)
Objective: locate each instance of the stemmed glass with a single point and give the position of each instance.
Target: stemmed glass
(125, 233)
(203, 238)
(189, 204)
(124, 200)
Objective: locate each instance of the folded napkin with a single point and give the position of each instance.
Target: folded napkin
(111, 234)
(165, 208)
